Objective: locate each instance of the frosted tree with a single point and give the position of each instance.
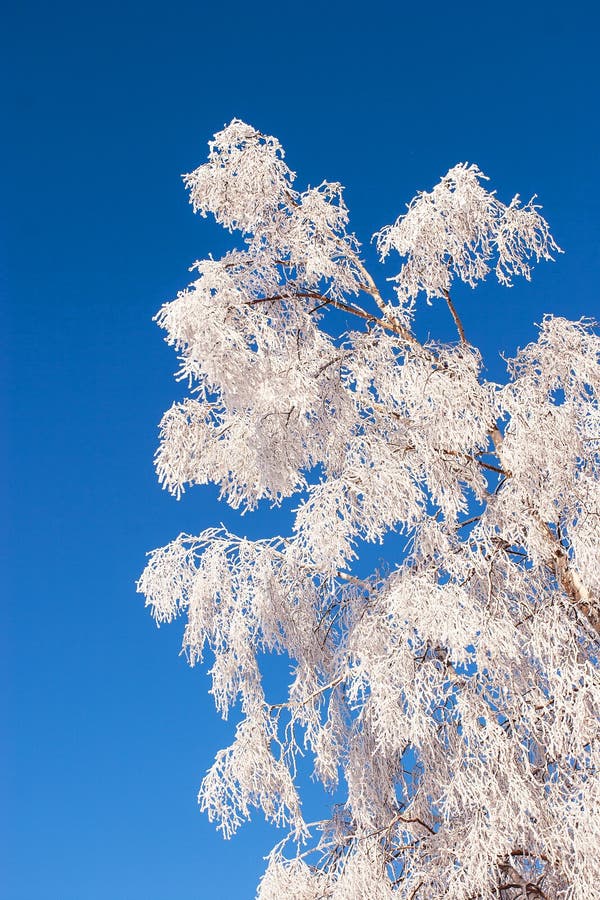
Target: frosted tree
(451, 701)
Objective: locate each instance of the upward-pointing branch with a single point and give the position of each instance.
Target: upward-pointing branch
(456, 317)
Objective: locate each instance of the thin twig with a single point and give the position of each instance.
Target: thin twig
(321, 690)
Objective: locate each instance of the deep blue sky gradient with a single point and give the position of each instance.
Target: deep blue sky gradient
(107, 732)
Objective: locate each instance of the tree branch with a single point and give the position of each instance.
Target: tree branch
(456, 317)
(385, 322)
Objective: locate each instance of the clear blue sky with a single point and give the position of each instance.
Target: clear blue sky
(107, 732)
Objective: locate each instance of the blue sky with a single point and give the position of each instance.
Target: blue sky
(108, 733)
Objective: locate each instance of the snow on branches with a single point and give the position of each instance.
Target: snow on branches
(450, 701)
(457, 229)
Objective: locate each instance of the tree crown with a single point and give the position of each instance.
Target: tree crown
(452, 700)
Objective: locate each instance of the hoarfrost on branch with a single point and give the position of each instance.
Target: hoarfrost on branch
(452, 702)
